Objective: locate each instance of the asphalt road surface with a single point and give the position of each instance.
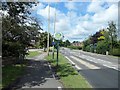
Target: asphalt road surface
(101, 71)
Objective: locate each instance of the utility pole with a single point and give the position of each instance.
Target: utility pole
(48, 28)
(54, 31)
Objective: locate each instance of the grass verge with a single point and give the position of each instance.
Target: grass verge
(33, 53)
(10, 73)
(69, 77)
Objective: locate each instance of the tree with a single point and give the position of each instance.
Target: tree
(102, 47)
(75, 42)
(17, 35)
(61, 43)
(67, 43)
(112, 33)
(43, 39)
(86, 43)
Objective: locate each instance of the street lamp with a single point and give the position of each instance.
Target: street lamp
(48, 28)
(54, 31)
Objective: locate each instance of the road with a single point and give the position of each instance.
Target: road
(101, 71)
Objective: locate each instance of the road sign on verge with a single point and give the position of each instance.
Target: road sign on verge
(53, 43)
(58, 36)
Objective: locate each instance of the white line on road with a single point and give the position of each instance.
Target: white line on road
(70, 60)
(76, 66)
(59, 88)
(92, 59)
(100, 61)
(95, 62)
(113, 67)
(91, 66)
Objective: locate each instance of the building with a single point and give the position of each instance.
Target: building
(76, 43)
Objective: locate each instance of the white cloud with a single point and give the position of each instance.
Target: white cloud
(73, 25)
(110, 14)
(44, 12)
(70, 6)
(62, 25)
(89, 24)
(102, 15)
(77, 31)
(95, 7)
(110, 1)
(85, 17)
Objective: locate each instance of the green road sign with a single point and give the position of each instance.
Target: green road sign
(58, 36)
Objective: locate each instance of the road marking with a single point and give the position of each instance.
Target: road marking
(104, 61)
(91, 66)
(59, 88)
(76, 66)
(70, 60)
(105, 65)
(113, 67)
(98, 61)
(90, 59)
(95, 60)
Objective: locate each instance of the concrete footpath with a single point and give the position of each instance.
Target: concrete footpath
(38, 75)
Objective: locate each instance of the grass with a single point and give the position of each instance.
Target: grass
(10, 73)
(0, 80)
(69, 77)
(33, 53)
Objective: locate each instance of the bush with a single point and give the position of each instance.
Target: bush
(75, 47)
(115, 52)
(102, 47)
(87, 48)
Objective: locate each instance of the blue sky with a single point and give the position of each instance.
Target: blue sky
(77, 20)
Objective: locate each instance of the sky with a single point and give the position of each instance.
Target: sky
(76, 20)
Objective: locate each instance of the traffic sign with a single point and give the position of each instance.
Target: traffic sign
(53, 43)
(58, 36)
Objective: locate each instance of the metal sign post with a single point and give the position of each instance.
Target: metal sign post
(53, 43)
(57, 51)
(58, 36)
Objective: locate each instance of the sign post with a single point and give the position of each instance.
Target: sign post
(57, 51)
(58, 36)
(53, 43)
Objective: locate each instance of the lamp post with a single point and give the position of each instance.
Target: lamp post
(48, 29)
(54, 31)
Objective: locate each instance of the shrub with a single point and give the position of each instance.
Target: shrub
(87, 48)
(102, 47)
(75, 47)
(115, 52)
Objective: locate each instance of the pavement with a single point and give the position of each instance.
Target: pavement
(38, 75)
(101, 71)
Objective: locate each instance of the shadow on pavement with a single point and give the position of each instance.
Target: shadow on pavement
(35, 75)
